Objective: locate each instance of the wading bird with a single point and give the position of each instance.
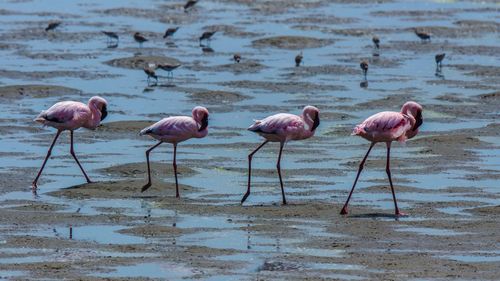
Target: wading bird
(150, 72)
(174, 130)
(169, 68)
(207, 35)
(376, 41)
(237, 58)
(189, 4)
(170, 32)
(364, 66)
(298, 59)
(387, 127)
(52, 25)
(71, 115)
(422, 34)
(139, 38)
(111, 35)
(283, 127)
(439, 60)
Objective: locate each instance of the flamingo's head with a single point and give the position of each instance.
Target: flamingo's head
(415, 110)
(101, 105)
(200, 114)
(311, 115)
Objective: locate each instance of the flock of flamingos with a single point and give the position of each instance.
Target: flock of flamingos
(386, 126)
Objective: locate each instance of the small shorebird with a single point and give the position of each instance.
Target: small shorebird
(139, 38)
(168, 68)
(71, 115)
(150, 72)
(170, 32)
(174, 130)
(207, 35)
(387, 127)
(237, 58)
(422, 34)
(376, 41)
(439, 60)
(52, 25)
(283, 127)
(189, 4)
(364, 66)
(111, 35)
(298, 59)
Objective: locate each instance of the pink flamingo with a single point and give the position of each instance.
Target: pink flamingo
(71, 115)
(281, 128)
(386, 127)
(174, 130)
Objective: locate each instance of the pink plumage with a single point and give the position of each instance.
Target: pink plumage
(282, 128)
(71, 115)
(174, 130)
(386, 127)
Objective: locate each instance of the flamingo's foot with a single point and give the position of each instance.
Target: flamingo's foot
(344, 211)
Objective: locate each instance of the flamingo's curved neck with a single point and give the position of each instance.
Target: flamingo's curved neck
(310, 123)
(93, 122)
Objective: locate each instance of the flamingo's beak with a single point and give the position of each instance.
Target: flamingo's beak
(104, 112)
(204, 123)
(316, 122)
(418, 121)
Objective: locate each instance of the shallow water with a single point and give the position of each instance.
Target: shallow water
(316, 170)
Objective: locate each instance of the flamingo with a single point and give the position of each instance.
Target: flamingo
(387, 127)
(174, 130)
(283, 127)
(71, 115)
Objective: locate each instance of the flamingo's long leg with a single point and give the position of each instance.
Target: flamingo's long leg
(49, 152)
(175, 171)
(388, 170)
(250, 170)
(278, 166)
(147, 185)
(72, 152)
(361, 165)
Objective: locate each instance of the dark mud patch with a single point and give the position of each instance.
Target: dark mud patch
(462, 84)
(278, 6)
(41, 75)
(319, 19)
(56, 56)
(272, 173)
(36, 91)
(121, 189)
(306, 71)
(139, 170)
(38, 33)
(151, 231)
(217, 97)
(138, 62)
(478, 70)
(245, 66)
(291, 42)
(288, 87)
(232, 31)
(129, 129)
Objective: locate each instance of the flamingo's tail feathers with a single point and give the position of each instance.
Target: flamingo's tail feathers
(145, 131)
(358, 130)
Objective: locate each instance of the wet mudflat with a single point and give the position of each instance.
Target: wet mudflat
(446, 178)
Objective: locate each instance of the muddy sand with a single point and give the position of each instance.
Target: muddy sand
(446, 178)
